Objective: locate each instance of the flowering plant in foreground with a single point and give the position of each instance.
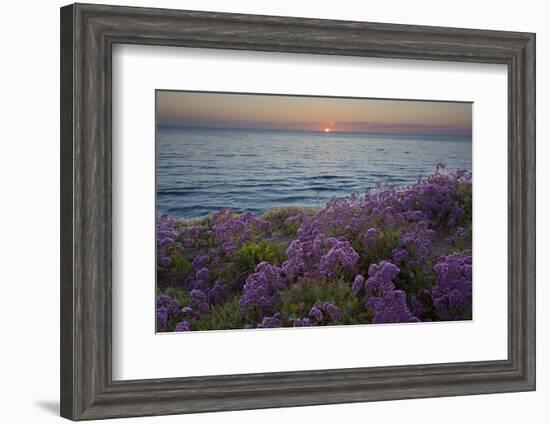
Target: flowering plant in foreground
(394, 254)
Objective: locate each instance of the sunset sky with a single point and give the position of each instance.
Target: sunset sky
(328, 114)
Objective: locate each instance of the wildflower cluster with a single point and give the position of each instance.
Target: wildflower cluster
(394, 254)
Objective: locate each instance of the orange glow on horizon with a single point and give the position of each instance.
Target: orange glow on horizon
(311, 113)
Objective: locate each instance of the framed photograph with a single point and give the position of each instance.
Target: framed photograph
(265, 211)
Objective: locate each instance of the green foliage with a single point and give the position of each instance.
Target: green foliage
(465, 193)
(251, 254)
(226, 316)
(458, 242)
(381, 249)
(180, 295)
(387, 241)
(414, 278)
(300, 298)
(182, 298)
(277, 218)
(181, 266)
(177, 272)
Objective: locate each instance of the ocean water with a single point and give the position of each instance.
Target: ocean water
(200, 171)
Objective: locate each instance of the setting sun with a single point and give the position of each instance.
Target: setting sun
(327, 130)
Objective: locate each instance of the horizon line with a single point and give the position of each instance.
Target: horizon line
(199, 127)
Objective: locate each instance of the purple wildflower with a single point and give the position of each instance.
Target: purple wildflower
(202, 274)
(271, 322)
(200, 262)
(452, 293)
(391, 307)
(333, 311)
(358, 283)
(381, 276)
(162, 317)
(316, 313)
(304, 322)
(183, 326)
(262, 291)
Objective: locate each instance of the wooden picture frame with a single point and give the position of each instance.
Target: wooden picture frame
(88, 33)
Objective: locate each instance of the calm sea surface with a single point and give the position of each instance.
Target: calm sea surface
(203, 170)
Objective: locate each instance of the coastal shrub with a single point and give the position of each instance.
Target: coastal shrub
(376, 244)
(180, 265)
(393, 254)
(391, 307)
(251, 254)
(278, 218)
(181, 296)
(231, 230)
(452, 293)
(226, 316)
(298, 301)
(262, 292)
(168, 312)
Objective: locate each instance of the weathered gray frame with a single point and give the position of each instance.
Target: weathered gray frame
(88, 33)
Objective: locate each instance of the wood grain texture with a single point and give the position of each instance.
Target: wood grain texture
(88, 33)
(66, 212)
